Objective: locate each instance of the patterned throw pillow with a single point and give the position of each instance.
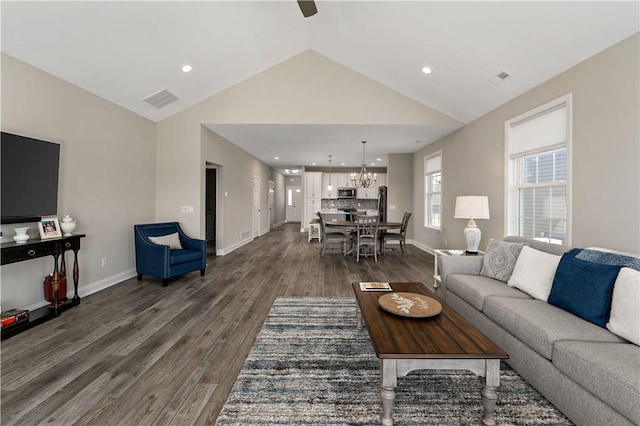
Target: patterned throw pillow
(499, 259)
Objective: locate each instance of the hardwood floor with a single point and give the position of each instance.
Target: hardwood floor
(139, 353)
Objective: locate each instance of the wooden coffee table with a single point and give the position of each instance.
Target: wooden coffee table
(442, 342)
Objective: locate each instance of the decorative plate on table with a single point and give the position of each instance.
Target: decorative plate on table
(411, 305)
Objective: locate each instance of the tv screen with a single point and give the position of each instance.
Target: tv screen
(29, 178)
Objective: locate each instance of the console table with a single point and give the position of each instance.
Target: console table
(32, 249)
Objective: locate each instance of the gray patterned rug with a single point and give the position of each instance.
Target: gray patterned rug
(311, 365)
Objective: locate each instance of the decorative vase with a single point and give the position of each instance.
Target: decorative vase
(21, 235)
(67, 225)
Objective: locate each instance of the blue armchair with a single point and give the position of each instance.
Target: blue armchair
(162, 261)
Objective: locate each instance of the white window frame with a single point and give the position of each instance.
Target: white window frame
(511, 189)
(428, 220)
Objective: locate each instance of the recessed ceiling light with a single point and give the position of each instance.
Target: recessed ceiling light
(277, 158)
(342, 164)
(379, 159)
(373, 164)
(313, 164)
(426, 70)
(186, 68)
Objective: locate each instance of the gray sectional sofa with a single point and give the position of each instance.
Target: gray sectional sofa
(586, 371)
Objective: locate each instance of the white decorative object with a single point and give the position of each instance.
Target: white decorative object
(67, 225)
(21, 235)
(472, 207)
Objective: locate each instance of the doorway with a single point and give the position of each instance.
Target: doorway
(294, 195)
(256, 206)
(272, 190)
(210, 208)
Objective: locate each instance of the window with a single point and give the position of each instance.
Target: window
(433, 191)
(538, 188)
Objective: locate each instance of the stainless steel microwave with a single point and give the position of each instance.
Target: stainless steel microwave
(346, 193)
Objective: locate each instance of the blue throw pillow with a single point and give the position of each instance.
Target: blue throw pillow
(584, 288)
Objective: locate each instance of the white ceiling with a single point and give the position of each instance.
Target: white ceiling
(125, 51)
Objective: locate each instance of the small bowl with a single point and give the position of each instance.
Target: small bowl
(456, 252)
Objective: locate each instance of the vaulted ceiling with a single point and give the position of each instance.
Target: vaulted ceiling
(125, 51)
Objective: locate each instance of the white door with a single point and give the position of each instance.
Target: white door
(294, 197)
(272, 189)
(256, 206)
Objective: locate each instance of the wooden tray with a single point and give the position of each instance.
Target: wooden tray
(411, 305)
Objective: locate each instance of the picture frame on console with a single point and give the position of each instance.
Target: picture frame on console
(49, 228)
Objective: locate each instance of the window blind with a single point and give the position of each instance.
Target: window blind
(539, 131)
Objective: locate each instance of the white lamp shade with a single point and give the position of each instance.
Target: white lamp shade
(472, 207)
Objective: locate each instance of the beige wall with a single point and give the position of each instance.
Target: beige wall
(283, 94)
(400, 188)
(107, 176)
(606, 156)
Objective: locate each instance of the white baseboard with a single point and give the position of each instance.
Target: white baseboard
(222, 252)
(422, 246)
(94, 287)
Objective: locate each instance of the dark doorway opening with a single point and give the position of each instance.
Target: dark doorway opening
(211, 199)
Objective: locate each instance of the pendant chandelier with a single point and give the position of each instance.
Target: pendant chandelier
(364, 178)
(330, 186)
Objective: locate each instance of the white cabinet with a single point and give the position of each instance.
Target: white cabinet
(372, 192)
(325, 186)
(344, 180)
(313, 184)
(312, 206)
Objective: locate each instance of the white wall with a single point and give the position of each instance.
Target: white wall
(107, 177)
(606, 156)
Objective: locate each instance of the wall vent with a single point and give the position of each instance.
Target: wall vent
(160, 99)
(502, 76)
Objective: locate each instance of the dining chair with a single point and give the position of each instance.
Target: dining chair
(397, 236)
(329, 238)
(367, 237)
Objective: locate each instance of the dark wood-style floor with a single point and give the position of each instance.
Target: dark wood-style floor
(138, 353)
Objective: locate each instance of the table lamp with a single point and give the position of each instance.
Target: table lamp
(472, 207)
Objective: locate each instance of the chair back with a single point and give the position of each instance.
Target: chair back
(322, 225)
(405, 222)
(367, 226)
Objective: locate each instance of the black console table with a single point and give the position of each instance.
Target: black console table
(35, 248)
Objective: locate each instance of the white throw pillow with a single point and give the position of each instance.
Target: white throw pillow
(171, 240)
(534, 272)
(625, 306)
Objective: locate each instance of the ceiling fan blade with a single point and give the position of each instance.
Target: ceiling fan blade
(308, 7)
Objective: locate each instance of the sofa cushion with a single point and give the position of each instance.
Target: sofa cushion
(473, 289)
(539, 325)
(625, 306)
(610, 371)
(584, 288)
(499, 259)
(184, 256)
(534, 272)
(171, 240)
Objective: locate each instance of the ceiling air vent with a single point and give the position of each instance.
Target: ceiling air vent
(160, 99)
(502, 76)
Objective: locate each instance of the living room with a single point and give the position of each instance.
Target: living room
(119, 168)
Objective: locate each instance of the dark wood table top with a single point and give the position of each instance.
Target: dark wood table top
(351, 224)
(446, 335)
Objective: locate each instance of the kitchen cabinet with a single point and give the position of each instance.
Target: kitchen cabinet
(312, 206)
(333, 194)
(313, 184)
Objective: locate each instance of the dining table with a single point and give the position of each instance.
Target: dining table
(349, 225)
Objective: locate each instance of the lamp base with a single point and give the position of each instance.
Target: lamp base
(472, 235)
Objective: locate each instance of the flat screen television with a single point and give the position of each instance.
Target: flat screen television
(29, 178)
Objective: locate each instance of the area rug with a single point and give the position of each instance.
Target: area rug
(311, 365)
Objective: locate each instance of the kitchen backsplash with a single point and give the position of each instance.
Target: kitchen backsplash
(349, 204)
